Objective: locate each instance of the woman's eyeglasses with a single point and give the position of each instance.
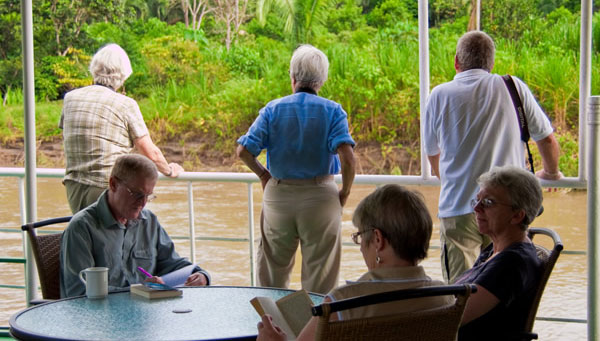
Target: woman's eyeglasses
(486, 203)
(356, 238)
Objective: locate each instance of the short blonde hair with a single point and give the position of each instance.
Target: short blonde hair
(309, 67)
(110, 66)
(401, 216)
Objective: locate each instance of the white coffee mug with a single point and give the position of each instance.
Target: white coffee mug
(96, 282)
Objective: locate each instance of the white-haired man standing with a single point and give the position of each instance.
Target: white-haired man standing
(99, 125)
(307, 142)
(471, 126)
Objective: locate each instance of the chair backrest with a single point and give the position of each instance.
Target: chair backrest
(46, 251)
(548, 258)
(440, 323)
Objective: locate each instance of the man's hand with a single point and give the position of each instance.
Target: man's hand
(155, 279)
(542, 174)
(176, 169)
(196, 279)
(267, 331)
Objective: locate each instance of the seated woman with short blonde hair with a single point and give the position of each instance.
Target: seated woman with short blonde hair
(394, 229)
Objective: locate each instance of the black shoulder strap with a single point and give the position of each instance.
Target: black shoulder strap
(516, 99)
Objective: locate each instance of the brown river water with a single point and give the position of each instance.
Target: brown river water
(221, 211)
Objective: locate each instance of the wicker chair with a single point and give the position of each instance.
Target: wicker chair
(433, 324)
(548, 258)
(46, 251)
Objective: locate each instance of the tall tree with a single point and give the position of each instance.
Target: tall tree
(301, 16)
(233, 14)
(197, 9)
(68, 18)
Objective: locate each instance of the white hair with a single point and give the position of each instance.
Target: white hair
(110, 66)
(309, 67)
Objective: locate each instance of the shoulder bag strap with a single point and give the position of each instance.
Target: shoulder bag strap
(516, 99)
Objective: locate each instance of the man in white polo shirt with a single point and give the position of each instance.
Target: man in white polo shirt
(471, 126)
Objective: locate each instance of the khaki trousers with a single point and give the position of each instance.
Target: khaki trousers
(461, 244)
(306, 212)
(81, 196)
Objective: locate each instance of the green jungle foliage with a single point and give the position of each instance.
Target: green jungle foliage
(192, 84)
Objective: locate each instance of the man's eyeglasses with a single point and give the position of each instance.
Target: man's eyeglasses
(486, 203)
(356, 238)
(138, 196)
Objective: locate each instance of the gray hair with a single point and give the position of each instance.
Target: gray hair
(523, 188)
(475, 50)
(309, 67)
(401, 216)
(130, 166)
(110, 66)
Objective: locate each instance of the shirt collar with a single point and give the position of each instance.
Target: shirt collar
(471, 73)
(395, 274)
(307, 90)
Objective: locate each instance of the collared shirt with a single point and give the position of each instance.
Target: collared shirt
(301, 133)
(389, 279)
(95, 239)
(472, 122)
(99, 125)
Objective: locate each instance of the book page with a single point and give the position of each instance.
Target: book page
(179, 276)
(266, 305)
(296, 309)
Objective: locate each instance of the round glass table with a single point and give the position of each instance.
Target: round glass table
(202, 313)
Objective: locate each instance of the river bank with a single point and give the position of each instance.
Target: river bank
(200, 156)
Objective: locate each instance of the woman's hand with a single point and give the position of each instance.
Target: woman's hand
(196, 279)
(267, 331)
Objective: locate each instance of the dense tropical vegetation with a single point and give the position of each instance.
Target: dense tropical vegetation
(203, 68)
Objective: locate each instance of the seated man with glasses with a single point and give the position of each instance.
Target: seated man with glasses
(118, 233)
(394, 229)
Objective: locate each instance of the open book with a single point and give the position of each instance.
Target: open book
(291, 313)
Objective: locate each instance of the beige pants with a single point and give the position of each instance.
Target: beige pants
(81, 196)
(461, 244)
(306, 212)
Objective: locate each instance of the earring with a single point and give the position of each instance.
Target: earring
(377, 258)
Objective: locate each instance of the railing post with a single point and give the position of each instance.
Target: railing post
(31, 277)
(585, 81)
(593, 216)
(192, 222)
(29, 140)
(423, 79)
(251, 234)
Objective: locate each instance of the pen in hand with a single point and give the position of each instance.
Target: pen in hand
(144, 271)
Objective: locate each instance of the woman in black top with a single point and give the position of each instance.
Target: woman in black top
(508, 270)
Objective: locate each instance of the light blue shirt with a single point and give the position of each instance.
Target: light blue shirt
(94, 238)
(301, 133)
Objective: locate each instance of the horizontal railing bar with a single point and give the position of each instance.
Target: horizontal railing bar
(433, 247)
(7, 286)
(13, 260)
(360, 179)
(560, 319)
